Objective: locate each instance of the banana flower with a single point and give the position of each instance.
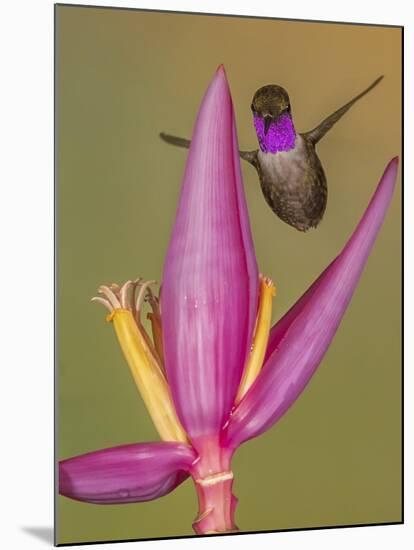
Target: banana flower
(215, 374)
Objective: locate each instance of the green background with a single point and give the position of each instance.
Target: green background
(123, 76)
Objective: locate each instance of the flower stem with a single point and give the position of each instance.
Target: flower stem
(213, 479)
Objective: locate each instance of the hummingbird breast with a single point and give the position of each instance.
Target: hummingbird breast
(294, 184)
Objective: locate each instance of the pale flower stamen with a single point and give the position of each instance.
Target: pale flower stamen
(115, 288)
(142, 294)
(153, 301)
(125, 302)
(110, 296)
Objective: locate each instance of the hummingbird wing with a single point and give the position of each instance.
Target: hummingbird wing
(174, 140)
(317, 133)
(249, 156)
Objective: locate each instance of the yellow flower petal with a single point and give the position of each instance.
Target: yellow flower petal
(148, 376)
(261, 336)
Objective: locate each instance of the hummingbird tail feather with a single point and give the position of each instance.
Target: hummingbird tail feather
(317, 133)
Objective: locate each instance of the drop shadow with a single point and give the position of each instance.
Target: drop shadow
(44, 534)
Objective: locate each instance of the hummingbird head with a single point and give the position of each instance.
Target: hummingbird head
(272, 119)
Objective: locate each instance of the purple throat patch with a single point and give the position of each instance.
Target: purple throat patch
(281, 135)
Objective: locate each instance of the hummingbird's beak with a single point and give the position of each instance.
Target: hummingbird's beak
(268, 119)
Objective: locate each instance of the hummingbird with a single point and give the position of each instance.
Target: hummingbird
(291, 175)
